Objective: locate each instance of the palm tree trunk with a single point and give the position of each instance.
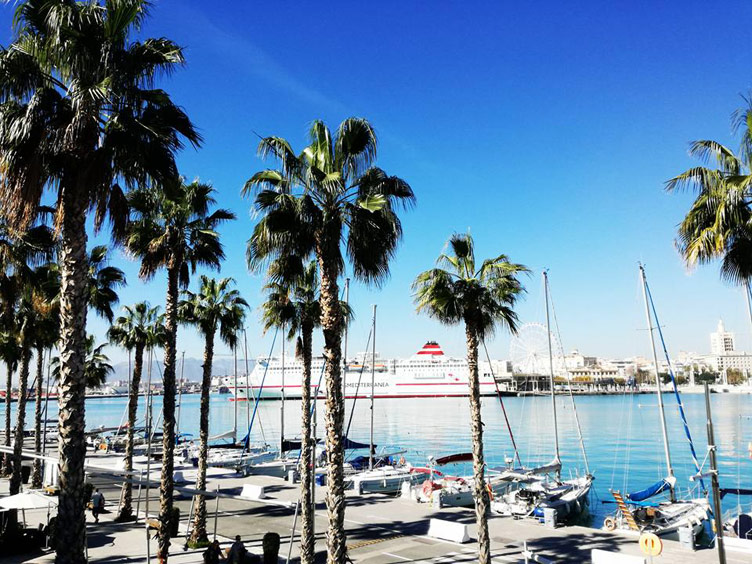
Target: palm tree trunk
(126, 509)
(18, 438)
(307, 540)
(168, 414)
(331, 322)
(479, 483)
(199, 523)
(71, 539)
(8, 457)
(36, 474)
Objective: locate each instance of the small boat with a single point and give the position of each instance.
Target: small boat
(569, 498)
(386, 476)
(442, 489)
(737, 533)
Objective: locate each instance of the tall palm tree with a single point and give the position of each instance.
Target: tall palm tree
(293, 302)
(172, 228)
(81, 116)
(104, 280)
(138, 329)
(481, 296)
(215, 307)
(718, 225)
(328, 197)
(10, 355)
(48, 284)
(19, 253)
(32, 321)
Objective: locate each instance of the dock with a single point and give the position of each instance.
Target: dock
(380, 529)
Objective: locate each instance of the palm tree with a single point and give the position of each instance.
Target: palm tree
(138, 329)
(32, 322)
(172, 228)
(480, 296)
(104, 280)
(718, 225)
(215, 307)
(81, 116)
(293, 302)
(97, 365)
(328, 195)
(102, 289)
(19, 253)
(48, 284)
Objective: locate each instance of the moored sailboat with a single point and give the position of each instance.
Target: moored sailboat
(540, 489)
(635, 511)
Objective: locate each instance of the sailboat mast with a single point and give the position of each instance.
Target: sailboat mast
(180, 396)
(247, 380)
(664, 429)
(551, 370)
(235, 391)
(282, 406)
(373, 381)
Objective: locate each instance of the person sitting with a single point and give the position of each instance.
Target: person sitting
(97, 504)
(213, 553)
(237, 552)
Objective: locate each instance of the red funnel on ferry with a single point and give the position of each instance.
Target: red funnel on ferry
(431, 348)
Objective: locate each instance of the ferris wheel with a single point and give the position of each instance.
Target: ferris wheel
(528, 350)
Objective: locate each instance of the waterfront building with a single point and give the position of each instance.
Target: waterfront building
(722, 341)
(575, 360)
(594, 373)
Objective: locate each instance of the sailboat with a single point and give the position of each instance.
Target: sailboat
(443, 489)
(634, 510)
(540, 489)
(385, 473)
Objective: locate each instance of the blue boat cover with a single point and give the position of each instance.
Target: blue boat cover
(649, 492)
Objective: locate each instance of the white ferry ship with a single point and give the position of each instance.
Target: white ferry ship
(428, 373)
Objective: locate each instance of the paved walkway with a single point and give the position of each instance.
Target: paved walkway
(380, 529)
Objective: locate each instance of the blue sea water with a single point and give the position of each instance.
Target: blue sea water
(621, 433)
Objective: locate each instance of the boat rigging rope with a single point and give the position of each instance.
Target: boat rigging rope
(676, 389)
(247, 438)
(357, 387)
(501, 402)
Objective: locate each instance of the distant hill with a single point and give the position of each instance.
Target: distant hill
(193, 368)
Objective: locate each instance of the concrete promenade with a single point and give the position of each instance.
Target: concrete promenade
(380, 529)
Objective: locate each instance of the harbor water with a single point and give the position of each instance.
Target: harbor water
(622, 436)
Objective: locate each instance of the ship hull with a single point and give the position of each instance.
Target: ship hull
(396, 390)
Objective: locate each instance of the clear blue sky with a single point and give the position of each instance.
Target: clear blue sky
(547, 129)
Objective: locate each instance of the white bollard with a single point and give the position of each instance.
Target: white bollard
(449, 530)
(252, 491)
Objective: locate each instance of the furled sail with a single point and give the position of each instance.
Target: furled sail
(650, 491)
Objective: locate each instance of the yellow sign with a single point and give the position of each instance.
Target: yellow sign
(650, 544)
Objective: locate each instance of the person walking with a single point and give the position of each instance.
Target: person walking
(97, 504)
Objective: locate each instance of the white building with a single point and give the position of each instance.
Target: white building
(594, 373)
(722, 341)
(575, 360)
